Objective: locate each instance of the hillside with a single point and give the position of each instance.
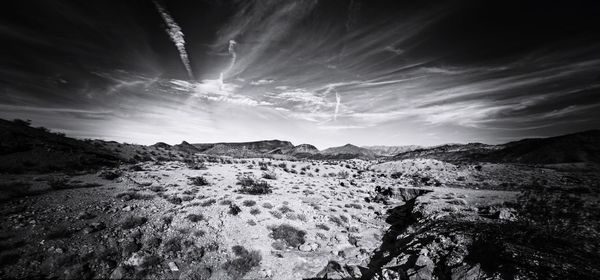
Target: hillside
(27, 149)
(346, 152)
(386, 151)
(576, 147)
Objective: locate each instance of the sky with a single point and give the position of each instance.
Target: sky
(320, 72)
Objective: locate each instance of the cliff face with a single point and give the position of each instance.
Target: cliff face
(304, 149)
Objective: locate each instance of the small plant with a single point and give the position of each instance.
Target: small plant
(249, 203)
(255, 211)
(195, 217)
(322, 226)
(285, 209)
(208, 202)
(269, 175)
(250, 186)
(267, 205)
(290, 235)
(199, 181)
(234, 209)
(244, 262)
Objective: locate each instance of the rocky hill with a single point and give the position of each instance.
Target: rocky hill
(28, 149)
(256, 148)
(346, 152)
(304, 150)
(386, 151)
(576, 147)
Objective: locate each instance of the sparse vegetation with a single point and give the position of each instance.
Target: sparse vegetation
(290, 235)
(244, 262)
(251, 186)
(199, 181)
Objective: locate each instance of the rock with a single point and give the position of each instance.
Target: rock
(423, 269)
(505, 214)
(137, 259)
(118, 273)
(85, 216)
(94, 227)
(314, 246)
(173, 266)
(127, 208)
(266, 273)
(333, 270)
(467, 272)
(305, 248)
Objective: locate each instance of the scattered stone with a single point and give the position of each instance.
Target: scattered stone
(173, 266)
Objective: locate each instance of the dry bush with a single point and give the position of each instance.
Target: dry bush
(245, 261)
(290, 235)
(199, 181)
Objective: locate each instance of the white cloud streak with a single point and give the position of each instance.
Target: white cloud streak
(177, 37)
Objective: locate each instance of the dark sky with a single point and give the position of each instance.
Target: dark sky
(320, 72)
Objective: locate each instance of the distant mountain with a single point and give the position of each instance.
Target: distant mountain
(245, 149)
(303, 150)
(186, 148)
(454, 153)
(386, 151)
(348, 151)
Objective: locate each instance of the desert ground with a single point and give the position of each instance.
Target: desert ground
(262, 218)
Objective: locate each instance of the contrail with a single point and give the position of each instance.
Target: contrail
(176, 35)
(231, 50)
(337, 105)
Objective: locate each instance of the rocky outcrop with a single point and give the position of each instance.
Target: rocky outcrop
(304, 150)
(346, 152)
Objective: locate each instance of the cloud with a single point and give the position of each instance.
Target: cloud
(264, 82)
(176, 35)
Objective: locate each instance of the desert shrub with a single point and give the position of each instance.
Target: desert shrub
(199, 181)
(157, 188)
(244, 262)
(270, 175)
(353, 205)
(249, 203)
(208, 202)
(174, 199)
(246, 180)
(337, 221)
(255, 187)
(195, 217)
(343, 174)
(290, 235)
(276, 214)
(285, 209)
(267, 205)
(234, 209)
(396, 175)
(322, 226)
(559, 214)
(225, 202)
(172, 245)
(133, 221)
(255, 211)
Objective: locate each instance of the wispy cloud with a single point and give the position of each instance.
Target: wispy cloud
(177, 37)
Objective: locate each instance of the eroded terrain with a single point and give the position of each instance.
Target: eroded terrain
(224, 218)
